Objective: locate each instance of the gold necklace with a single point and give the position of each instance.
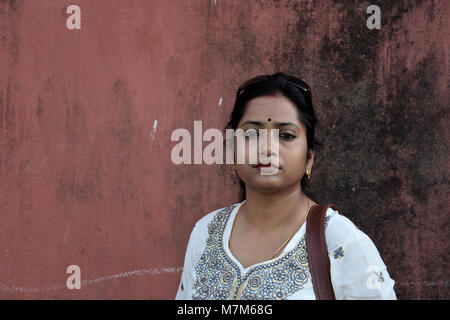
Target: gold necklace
(292, 235)
(289, 239)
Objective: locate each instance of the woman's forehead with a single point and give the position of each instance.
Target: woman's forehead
(277, 109)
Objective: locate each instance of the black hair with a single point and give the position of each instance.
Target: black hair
(293, 88)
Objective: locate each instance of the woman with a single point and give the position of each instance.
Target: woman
(255, 249)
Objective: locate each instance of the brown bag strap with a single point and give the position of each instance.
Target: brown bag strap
(316, 247)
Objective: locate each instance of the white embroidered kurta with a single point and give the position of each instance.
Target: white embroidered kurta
(212, 272)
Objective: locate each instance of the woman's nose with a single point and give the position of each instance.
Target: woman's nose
(269, 142)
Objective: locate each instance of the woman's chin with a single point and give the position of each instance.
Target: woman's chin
(266, 182)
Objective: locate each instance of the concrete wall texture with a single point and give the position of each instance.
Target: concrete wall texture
(86, 117)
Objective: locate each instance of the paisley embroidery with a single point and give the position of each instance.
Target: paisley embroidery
(279, 279)
(216, 273)
(218, 277)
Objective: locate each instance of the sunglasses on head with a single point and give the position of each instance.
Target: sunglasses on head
(294, 80)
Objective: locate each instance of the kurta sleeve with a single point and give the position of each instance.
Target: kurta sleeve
(187, 277)
(357, 270)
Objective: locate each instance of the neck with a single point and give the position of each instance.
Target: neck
(267, 211)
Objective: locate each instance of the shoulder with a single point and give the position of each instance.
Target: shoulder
(356, 267)
(211, 223)
(345, 239)
(341, 230)
(218, 215)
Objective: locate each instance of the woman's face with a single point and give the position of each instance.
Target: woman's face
(268, 112)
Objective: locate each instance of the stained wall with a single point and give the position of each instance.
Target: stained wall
(86, 117)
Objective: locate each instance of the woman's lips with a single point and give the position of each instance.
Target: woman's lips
(264, 165)
(268, 165)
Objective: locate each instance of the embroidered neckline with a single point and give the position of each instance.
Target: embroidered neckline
(219, 277)
(227, 249)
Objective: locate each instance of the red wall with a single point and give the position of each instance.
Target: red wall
(86, 180)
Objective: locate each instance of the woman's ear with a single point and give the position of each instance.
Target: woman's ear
(310, 158)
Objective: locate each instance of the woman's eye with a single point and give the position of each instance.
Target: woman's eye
(287, 136)
(251, 133)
